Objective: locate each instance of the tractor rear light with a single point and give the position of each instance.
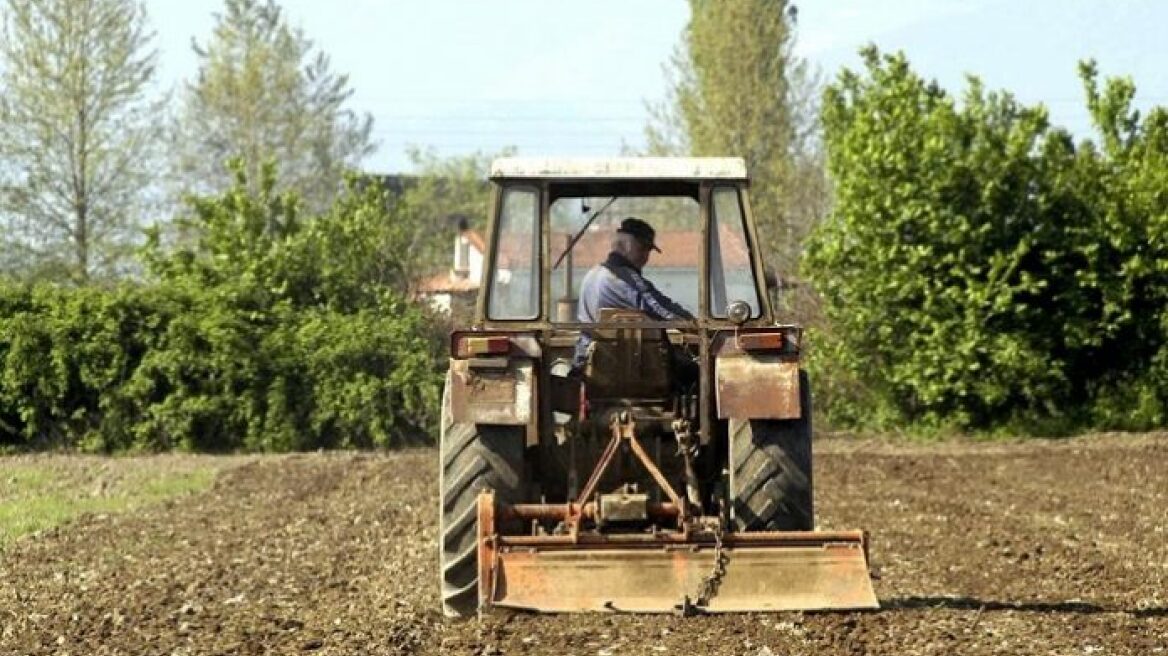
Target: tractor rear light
(761, 341)
(467, 346)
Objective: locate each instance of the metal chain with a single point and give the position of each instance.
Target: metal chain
(713, 580)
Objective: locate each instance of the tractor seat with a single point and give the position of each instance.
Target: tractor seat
(627, 362)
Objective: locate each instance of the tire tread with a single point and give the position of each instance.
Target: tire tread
(474, 457)
(771, 473)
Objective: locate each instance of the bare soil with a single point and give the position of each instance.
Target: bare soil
(1028, 548)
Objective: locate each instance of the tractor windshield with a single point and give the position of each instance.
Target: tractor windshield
(593, 220)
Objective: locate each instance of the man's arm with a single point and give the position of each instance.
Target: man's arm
(656, 304)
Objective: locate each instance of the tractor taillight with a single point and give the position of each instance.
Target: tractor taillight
(469, 347)
(761, 341)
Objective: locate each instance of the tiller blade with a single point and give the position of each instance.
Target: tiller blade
(654, 572)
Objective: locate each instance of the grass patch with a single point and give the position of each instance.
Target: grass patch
(40, 492)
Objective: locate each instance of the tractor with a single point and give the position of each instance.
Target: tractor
(631, 464)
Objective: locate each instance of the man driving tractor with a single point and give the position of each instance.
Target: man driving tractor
(617, 283)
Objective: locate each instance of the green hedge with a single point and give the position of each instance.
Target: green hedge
(265, 333)
(160, 368)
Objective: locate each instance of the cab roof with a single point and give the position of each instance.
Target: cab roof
(620, 168)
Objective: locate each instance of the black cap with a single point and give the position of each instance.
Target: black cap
(641, 230)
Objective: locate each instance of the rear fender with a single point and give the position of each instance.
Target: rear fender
(756, 373)
(496, 388)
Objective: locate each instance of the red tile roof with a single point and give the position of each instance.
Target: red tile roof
(475, 240)
(448, 283)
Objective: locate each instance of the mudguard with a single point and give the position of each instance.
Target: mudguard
(499, 391)
(756, 383)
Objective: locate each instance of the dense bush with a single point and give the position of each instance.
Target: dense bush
(980, 269)
(265, 332)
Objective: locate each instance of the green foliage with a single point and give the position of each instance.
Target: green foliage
(271, 333)
(265, 93)
(981, 270)
(443, 191)
(1126, 258)
(738, 89)
(78, 136)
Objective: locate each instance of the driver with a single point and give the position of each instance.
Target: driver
(617, 282)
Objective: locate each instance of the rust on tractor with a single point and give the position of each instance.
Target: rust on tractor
(756, 375)
(662, 572)
(623, 429)
(492, 391)
(762, 575)
(487, 553)
(762, 386)
(660, 511)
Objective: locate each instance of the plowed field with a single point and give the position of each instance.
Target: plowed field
(1029, 548)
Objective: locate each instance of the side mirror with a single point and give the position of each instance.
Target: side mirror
(773, 283)
(771, 278)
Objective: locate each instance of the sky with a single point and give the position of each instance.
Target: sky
(574, 77)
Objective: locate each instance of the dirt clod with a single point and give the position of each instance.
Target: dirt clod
(1030, 548)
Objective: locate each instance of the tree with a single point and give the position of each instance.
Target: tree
(980, 269)
(264, 94)
(270, 332)
(923, 264)
(303, 336)
(737, 88)
(77, 134)
(1121, 262)
(441, 193)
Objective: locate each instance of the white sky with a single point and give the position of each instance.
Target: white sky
(559, 77)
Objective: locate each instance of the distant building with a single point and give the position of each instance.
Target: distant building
(457, 287)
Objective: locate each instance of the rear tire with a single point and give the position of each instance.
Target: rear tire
(770, 471)
(475, 457)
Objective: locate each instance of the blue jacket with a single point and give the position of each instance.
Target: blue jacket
(616, 283)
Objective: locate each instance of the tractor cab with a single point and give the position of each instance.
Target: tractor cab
(566, 216)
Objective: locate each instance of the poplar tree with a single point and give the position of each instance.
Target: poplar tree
(264, 93)
(78, 131)
(736, 88)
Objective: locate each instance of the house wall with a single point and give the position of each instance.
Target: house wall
(467, 257)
